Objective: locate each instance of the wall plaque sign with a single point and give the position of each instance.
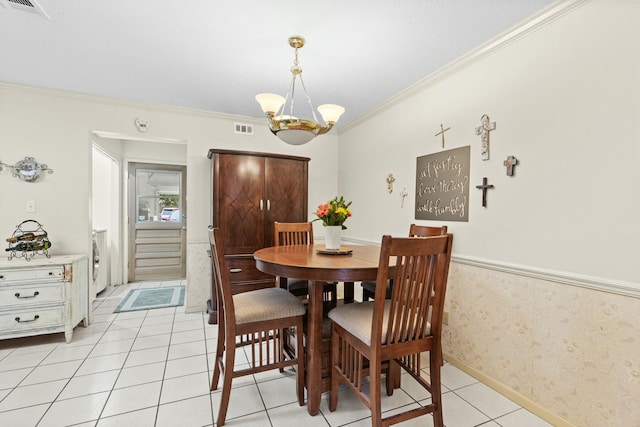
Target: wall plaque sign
(442, 185)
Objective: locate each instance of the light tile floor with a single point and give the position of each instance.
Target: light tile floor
(153, 368)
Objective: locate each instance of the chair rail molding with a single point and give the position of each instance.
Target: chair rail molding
(629, 289)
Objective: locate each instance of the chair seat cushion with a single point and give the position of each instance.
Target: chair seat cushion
(266, 304)
(357, 319)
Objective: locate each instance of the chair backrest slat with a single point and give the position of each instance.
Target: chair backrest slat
(293, 233)
(417, 299)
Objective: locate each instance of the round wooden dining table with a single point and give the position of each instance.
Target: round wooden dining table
(310, 263)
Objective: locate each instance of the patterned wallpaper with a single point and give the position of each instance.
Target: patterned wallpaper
(572, 350)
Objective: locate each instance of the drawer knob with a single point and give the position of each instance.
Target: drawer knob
(235, 270)
(35, 294)
(36, 317)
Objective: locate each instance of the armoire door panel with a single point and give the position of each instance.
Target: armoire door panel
(286, 189)
(241, 205)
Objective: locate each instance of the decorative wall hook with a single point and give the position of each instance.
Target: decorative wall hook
(27, 169)
(390, 180)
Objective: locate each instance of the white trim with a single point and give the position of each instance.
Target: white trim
(546, 16)
(129, 137)
(629, 289)
(97, 147)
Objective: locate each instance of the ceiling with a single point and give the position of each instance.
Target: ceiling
(216, 55)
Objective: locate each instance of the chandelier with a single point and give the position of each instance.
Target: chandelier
(282, 121)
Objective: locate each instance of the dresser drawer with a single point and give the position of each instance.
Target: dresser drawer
(31, 319)
(243, 269)
(31, 295)
(12, 276)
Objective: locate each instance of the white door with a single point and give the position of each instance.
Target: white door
(157, 222)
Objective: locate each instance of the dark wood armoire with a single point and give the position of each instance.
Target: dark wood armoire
(250, 191)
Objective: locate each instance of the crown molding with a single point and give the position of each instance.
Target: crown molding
(125, 103)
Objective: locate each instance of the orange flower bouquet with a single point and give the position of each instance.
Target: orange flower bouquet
(334, 212)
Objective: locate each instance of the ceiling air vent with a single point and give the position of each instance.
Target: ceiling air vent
(25, 5)
(243, 128)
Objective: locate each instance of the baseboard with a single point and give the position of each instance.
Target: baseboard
(508, 392)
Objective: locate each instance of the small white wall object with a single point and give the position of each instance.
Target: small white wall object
(142, 124)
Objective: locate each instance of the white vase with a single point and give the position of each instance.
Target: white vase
(332, 235)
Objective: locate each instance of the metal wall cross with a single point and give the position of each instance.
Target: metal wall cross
(483, 130)
(442, 131)
(484, 187)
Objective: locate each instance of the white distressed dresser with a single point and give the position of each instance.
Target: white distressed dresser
(43, 295)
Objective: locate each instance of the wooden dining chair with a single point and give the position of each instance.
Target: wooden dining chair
(299, 233)
(369, 288)
(255, 318)
(364, 336)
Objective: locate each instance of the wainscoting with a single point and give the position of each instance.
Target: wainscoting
(560, 347)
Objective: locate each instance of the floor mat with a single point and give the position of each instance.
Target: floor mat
(150, 298)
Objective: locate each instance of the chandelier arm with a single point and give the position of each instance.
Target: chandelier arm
(324, 129)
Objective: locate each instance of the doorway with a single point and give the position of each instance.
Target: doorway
(157, 221)
(106, 218)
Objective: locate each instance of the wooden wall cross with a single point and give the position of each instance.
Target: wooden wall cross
(442, 131)
(483, 130)
(510, 163)
(484, 187)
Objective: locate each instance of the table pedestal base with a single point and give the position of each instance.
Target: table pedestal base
(317, 349)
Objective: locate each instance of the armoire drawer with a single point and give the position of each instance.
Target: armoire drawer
(31, 295)
(243, 269)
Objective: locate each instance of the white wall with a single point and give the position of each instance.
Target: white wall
(566, 99)
(544, 291)
(56, 128)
